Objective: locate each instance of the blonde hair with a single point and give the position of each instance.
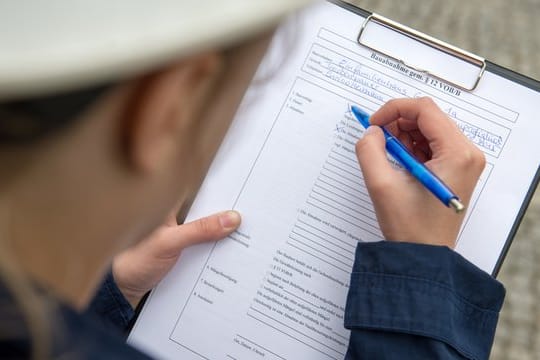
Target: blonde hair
(27, 303)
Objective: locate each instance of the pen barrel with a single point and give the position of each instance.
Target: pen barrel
(402, 155)
(425, 176)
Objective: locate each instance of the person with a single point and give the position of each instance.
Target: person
(109, 118)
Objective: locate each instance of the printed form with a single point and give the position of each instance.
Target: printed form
(276, 288)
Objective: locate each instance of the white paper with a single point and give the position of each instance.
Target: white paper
(276, 288)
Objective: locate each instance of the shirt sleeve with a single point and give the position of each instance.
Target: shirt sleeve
(111, 307)
(420, 302)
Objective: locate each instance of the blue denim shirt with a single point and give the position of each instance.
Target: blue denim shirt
(410, 301)
(406, 301)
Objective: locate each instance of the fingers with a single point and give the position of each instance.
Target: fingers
(419, 114)
(371, 153)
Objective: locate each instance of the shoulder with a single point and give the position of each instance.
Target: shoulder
(88, 339)
(68, 334)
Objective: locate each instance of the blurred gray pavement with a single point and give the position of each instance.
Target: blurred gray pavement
(508, 33)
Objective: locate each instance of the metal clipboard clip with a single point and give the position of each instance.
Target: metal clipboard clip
(429, 41)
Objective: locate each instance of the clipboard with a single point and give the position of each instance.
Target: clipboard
(483, 66)
(298, 157)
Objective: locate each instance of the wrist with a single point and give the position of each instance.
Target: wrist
(133, 298)
(132, 294)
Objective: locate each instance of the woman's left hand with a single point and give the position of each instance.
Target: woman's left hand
(138, 269)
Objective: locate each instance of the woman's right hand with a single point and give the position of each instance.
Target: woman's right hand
(407, 211)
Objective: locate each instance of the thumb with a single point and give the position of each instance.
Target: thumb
(371, 153)
(174, 239)
(211, 228)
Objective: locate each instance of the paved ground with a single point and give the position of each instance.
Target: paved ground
(508, 33)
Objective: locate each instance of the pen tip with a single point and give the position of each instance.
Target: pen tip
(360, 115)
(359, 112)
(457, 205)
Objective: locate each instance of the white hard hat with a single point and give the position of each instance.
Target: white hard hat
(55, 45)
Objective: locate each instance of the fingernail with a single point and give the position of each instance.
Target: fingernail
(229, 220)
(370, 130)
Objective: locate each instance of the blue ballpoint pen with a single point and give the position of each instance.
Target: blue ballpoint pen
(402, 155)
